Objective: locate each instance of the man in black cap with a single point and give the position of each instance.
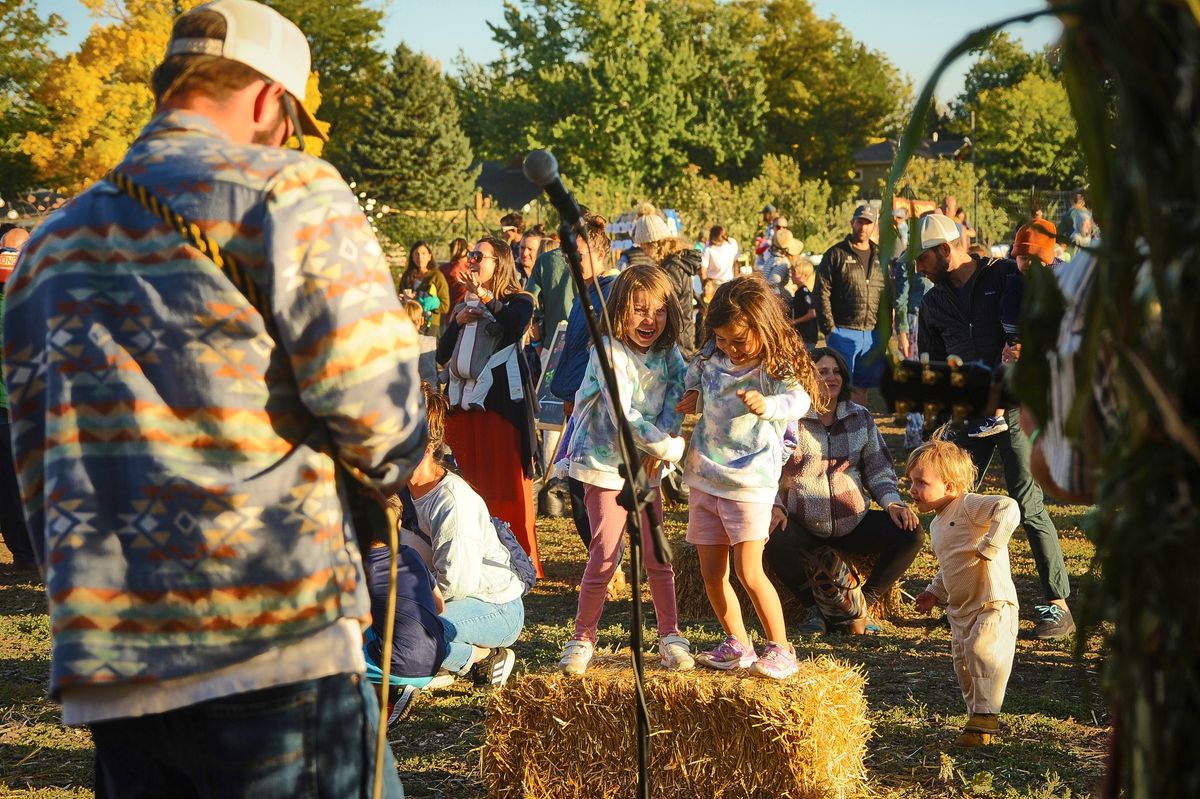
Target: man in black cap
(849, 282)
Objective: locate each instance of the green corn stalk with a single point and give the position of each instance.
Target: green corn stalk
(1132, 72)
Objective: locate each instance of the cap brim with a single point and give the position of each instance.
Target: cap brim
(308, 123)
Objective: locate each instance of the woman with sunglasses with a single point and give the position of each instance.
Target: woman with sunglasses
(490, 428)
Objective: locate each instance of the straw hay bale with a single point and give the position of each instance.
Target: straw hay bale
(713, 734)
(692, 601)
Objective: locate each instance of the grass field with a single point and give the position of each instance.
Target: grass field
(1056, 721)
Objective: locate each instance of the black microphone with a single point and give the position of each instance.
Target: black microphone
(541, 168)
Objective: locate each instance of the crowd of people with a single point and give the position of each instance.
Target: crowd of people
(776, 356)
(259, 384)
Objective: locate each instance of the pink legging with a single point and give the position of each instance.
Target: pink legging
(604, 554)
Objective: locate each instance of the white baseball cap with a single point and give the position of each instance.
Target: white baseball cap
(264, 40)
(938, 229)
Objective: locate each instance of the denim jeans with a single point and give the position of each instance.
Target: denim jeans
(472, 622)
(308, 739)
(858, 347)
(1018, 481)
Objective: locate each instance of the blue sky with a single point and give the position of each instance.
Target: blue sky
(913, 35)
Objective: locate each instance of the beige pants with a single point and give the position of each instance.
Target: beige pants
(983, 644)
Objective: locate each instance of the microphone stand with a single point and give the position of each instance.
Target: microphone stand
(634, 497)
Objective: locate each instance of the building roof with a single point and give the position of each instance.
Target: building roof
(885, 151)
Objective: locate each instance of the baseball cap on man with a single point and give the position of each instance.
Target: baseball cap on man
(938, 229)
(1036, 238)
(868, 212)
(264, 40)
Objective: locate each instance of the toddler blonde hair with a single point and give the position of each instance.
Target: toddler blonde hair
(415, 312)
(949, 460)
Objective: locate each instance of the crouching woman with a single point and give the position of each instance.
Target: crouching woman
(478, 585)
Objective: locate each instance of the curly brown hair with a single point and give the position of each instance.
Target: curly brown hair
(656, 284)
(748, 300)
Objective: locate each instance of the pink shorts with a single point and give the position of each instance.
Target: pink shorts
(713, 520)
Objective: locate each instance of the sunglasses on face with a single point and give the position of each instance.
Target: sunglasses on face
(477, 257)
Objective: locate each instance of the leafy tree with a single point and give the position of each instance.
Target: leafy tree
(414, 155)
(1025, 135)
(1002, 63)
(24, 56)
(344, 37)
(100, 98)
(827, 93)
(631, 90)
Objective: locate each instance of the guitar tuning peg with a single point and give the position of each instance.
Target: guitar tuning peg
(928, 376)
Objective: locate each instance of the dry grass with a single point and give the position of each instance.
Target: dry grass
(715, 734)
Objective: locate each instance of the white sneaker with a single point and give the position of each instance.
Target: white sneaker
(575, 657)
(676, 653)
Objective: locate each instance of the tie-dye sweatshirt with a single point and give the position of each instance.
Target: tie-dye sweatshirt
(649, 386)
(736, 454)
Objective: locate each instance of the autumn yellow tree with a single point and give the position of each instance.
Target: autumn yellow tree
(99, 97)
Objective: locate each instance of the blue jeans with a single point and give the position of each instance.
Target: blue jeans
(858, 348)
(472, 622)
(308, 739)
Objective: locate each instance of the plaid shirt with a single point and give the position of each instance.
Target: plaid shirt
(835, 472)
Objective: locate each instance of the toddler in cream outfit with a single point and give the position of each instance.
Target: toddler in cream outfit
(974, 582)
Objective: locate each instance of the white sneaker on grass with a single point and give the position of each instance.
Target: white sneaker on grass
(676, 653)
(576, 656)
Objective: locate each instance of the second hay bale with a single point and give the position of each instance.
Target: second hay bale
(692, 601)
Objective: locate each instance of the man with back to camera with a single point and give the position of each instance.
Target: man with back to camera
(178, 448)
(850, 280)
(960, 316)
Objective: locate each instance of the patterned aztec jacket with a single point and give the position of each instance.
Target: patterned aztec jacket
(174, 448)
(734, 453)
(834, 474)
(649, 385)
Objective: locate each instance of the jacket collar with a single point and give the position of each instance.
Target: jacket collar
(181, 121)
(844, 409)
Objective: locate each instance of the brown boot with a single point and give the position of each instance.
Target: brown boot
(981, 729)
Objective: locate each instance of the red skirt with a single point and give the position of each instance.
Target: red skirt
(488, 450)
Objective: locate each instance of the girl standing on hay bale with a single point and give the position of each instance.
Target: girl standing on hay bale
(751, 377)
(649, 372)
(974, 582)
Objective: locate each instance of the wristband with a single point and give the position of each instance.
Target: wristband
(1033, 437)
